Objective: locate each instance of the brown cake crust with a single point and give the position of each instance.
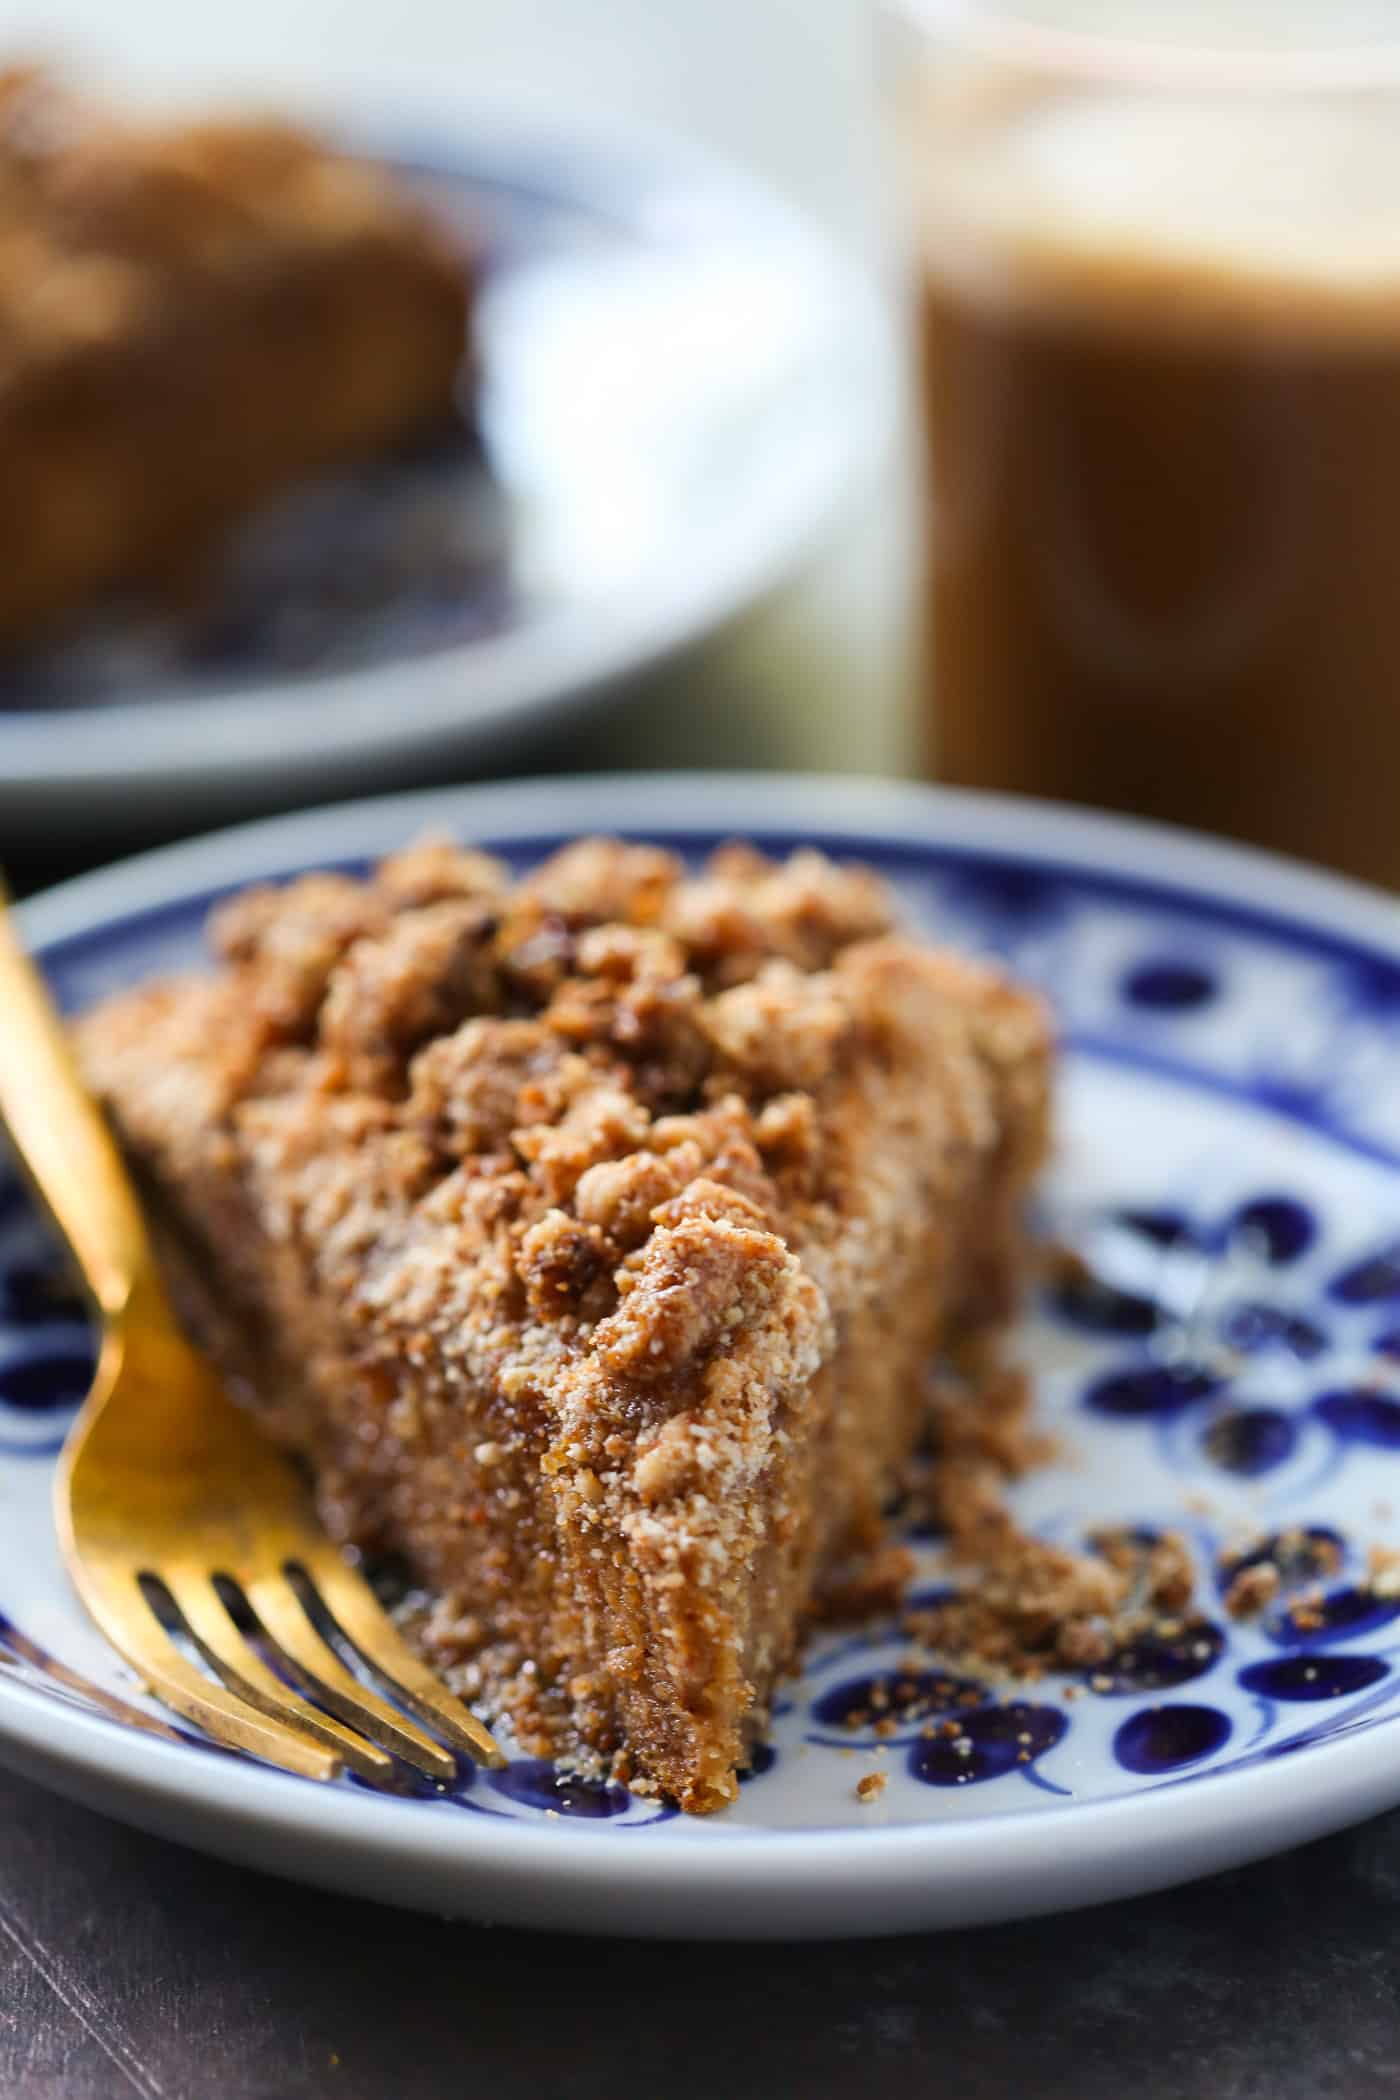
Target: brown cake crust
(193, 316)
(592, 1236)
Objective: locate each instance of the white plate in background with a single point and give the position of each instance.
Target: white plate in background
(682, 389)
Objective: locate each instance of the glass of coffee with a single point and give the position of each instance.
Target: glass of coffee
(1159, 369)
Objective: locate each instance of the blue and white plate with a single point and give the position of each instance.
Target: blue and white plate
(679, 388)
(1228, 1164)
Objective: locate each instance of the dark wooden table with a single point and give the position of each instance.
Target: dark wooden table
(129, 1966)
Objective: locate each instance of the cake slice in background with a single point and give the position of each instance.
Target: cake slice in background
(193, 317)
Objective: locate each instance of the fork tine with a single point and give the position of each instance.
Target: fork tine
(247, 1675)
(356, 1610)
(131, 1626)
(285, 1618)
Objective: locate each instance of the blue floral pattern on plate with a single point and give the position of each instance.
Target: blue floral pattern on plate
(1223, 1358)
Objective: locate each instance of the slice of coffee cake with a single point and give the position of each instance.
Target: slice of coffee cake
(194, 317)
(591, 1236)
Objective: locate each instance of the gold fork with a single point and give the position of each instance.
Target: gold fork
(192, 1542)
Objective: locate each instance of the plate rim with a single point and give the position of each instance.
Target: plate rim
(550, 670)
(1162, 855)
(895, 1877)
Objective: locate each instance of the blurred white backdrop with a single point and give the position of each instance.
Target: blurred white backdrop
(786, 87)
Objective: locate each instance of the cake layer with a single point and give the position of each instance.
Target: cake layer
(592, 1237)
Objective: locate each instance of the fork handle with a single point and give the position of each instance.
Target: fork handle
(59, 1132)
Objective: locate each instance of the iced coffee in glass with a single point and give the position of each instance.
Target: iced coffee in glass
(1158, 321)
